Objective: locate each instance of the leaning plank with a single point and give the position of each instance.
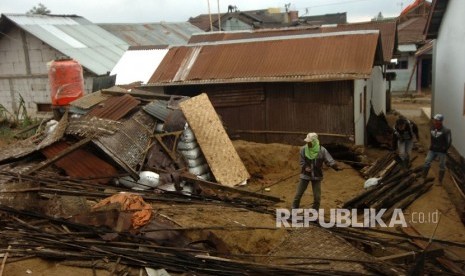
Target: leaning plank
(4, 260)
(214, 142)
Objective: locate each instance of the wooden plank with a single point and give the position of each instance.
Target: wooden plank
(447, 263)
(4, 260)
(411, 256)
(221, 156)
(222, 188)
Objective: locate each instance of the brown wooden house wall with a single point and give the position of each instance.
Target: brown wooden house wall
(322, 107)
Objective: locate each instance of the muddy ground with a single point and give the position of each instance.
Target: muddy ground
(276, 166)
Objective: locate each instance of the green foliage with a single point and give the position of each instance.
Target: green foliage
(20, 117)
(39, 9)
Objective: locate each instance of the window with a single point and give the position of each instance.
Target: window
(42, 107)
(401, 64)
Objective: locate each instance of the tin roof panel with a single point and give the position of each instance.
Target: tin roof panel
(318, 57)
(96, 49)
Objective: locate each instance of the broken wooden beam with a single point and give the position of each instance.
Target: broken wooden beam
(412, 255)
(444, 260)
(217, 187)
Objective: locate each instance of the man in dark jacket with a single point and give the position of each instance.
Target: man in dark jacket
(404, 133)
(312, 157)
(441, 140)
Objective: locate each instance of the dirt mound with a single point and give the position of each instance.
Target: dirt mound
(263, 160)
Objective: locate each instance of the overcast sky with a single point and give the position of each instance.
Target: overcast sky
(142, 11)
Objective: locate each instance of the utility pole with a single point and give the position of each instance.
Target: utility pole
(210, 16)
(219, 16)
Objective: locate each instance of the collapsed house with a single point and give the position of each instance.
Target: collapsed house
(132, 136)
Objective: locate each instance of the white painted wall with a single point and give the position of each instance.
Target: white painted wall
(449, 72)
(376, 94)
(376, 90)
(403, 76)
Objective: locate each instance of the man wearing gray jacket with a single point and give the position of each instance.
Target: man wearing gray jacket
(312, 157)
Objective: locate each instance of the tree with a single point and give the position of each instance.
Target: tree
(378, 18)
(39, 9)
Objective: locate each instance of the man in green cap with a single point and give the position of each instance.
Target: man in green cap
(312, 157)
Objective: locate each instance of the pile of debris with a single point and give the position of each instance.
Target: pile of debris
(132, 140)
(390, 186)
(107, 154)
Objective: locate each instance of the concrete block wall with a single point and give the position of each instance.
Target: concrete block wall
(14, 77)
(12, 59)
(39, 55)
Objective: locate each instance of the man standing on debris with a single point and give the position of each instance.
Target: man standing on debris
(312, 157)
(441, 140)
(404, 133)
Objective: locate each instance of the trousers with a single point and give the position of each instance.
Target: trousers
(316, 188)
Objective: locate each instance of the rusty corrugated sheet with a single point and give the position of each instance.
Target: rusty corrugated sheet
(81, 164)
(129, 144)
(411, 31)
(325, 57)
(114, 108)
(90, 100)
(388, 31)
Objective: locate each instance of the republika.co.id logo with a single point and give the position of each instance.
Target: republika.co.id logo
(339, 218)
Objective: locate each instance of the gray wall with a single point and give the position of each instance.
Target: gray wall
(403, 76)
(23, 71)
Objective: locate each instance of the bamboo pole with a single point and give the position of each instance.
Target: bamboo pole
(4, 260)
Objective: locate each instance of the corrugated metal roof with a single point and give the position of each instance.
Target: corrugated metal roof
(438, 9)
(158, 109)
(162, 33)
(388, 31)
(425, 49)
(81, 163)
(349, 55)
(411, 31)
(138, 65)
(114, 108)
(93, 47)
(89, 100)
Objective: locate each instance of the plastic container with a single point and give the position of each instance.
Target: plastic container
(66, 81)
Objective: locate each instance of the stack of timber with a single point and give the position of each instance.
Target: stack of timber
(396, 188)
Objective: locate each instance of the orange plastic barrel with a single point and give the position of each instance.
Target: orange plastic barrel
(66, 81)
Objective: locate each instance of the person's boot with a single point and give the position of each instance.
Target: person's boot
(424, 173)
(405, 163)
(441, 176)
